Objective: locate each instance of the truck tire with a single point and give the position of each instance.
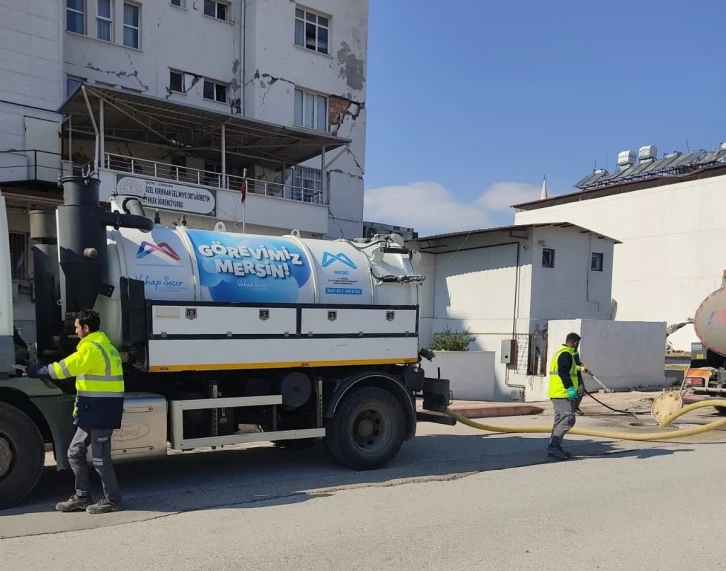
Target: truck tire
(367, 430)
(22, 455)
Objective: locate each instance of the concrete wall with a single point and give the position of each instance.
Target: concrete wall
(31, 85)
(263, 58)
(571, 288)
(671, 257)
(622, 354)
(471, 373)
(473, 286)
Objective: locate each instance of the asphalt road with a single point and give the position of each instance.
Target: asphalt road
(452, 498)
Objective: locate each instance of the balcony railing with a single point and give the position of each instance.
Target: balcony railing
(189, 175)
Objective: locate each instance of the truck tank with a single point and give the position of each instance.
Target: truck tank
(710, 321)
(186, 265)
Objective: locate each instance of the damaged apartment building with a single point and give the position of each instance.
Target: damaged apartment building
(248, 112)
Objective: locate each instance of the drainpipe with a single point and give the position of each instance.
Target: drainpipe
(244, 57)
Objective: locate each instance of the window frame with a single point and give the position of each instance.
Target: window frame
(217, 3)
(304, 21)
(83, 13)
(131, 27)
(181, 74)
(108, 20)
(216, 85)
(14, 275)
(316, 96)
(551, 252)
(597, 262)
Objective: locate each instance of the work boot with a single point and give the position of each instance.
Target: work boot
(75, 503)
(103, 507)
(558, 453)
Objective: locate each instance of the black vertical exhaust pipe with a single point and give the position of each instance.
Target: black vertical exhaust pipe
(83, 251)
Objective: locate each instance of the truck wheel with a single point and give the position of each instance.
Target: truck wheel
(22, 455)
(367, 430)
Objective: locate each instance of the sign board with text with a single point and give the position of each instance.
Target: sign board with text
(168, 195)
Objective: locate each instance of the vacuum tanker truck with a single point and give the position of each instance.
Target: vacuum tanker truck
(225, 338)
(706, 374)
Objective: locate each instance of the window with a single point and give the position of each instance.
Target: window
(596, 262)
(179, 3)
(215, 91)
(548, 258)
(214, 9)
(18, 256)
(311, 110)
(104, 21)
(307, 184)
(176, 81)
(72, 84)
(179, 163)
(131, 25)
(311, 31)
(76, 16)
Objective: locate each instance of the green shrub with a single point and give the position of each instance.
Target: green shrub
(448, 340)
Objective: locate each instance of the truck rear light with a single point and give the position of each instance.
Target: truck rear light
(698, 377)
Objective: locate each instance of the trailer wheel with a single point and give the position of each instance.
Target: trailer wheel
(22, 455)
(367, 430)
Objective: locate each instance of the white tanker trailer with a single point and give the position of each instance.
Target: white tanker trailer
(226, 338)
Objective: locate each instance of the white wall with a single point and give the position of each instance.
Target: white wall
(671, 257)
(275, 67)
(471, 373)
(31, 82)
(269, 65)
(622, 354)
(571, 288)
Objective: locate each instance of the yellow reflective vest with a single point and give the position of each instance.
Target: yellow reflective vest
(557, 388)
(96, 365)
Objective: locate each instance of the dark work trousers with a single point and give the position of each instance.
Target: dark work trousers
(564, 417)
(100, 441)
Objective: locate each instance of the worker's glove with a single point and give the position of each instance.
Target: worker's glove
(571, 393)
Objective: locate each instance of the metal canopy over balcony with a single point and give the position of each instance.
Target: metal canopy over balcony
(133, 117)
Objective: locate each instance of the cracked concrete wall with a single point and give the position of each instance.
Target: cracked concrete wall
(31, 75)
(275, 66)
(182, 39)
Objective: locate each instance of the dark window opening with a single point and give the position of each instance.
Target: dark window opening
(548, 258)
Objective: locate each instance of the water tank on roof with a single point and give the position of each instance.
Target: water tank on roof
(648, 153)
(626, 159)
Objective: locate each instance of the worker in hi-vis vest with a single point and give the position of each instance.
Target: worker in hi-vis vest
(96, 366)
(566, 392)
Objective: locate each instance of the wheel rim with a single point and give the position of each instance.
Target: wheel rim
(6, 457)
(372, 428)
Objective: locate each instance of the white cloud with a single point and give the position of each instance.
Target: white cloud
(430, 208)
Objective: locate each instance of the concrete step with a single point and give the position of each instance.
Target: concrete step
(481, 409)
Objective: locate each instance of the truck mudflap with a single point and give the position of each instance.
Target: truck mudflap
(437, 397)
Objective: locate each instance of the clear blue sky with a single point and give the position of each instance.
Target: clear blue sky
(468, 94)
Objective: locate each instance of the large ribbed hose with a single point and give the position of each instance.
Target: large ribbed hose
(611, 434)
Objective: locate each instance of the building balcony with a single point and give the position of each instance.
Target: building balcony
(189, 190)
(194, 160)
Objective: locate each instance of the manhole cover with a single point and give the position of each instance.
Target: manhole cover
(665, 405)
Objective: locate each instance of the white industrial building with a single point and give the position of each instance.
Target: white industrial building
(668, 213)
(505, 285)
(180, 100)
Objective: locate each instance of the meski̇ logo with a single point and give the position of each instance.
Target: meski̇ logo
(329, 259)
(146, 248)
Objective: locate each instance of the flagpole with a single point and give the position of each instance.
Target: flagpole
(244, 200)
